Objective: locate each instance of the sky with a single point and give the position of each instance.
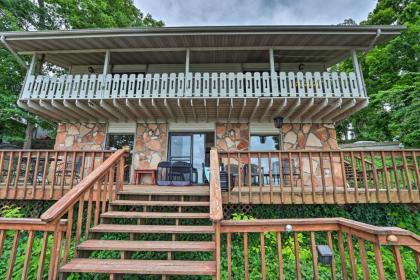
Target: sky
(255, 12)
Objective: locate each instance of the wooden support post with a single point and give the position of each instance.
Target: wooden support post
(187, 62)
(358, 72)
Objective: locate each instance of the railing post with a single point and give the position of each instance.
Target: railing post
(218, 248)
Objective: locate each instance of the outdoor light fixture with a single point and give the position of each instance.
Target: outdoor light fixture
(262, 139)
(278, 122)
(324, 254)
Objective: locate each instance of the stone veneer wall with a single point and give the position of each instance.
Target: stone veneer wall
(86, 136)
(309, 137)
(315, 137)
(232, 137)
(150, 145)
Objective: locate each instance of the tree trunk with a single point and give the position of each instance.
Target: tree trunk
(28, 136)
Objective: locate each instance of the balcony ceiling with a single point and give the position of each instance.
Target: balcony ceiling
(326, 44)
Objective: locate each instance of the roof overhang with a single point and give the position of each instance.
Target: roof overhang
(322, 44)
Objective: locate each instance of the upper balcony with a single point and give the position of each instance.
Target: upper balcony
(251, 73)
(297, 96)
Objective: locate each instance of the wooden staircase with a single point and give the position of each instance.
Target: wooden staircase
(150, 230)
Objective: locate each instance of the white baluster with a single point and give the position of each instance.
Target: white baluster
(92, 86)
(155, 85)
(131, 85)
(115, 86)
(240, 84)
(164, 85)
(223, 84)
(257, 84)
(106, 94)
(300, 84)
(44, 87)
(274, 84)
(248, 84)
(214, 85)
(76, 87)
(98, 94)
(123, 86)
(231, 84)
(309, 84)
(197, 85)
(181, 85)
(283, 84)
(53, 87)
(147, 86)
(344, 84)
(206, 84)
(139, 86)
(37, 86)
(353, 85)
(318, 84)
(172, 84)
(68, 87)
(327, 84)
(266, 84)
(29, 85)
(84, 84)
(291, 83)
(335, 84)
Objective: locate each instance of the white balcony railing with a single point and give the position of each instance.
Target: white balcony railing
(205, 85)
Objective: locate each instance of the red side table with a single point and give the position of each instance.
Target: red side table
(140, 172)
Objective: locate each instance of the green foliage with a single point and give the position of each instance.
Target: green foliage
(21, 15)
(391, 77)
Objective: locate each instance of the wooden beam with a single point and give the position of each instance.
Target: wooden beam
(362, 104)
(318, 117)
(267, 109)
(146, 111)
(56, 112)
(180, 108)
(316, 110)
(124, 111)
(242, 109)
(358, 72)
(111, 110)
(301, 112)
(77, 110)
(281, 108)
(293, 109)
(187, 62)
(257, 105)
(271, 55)
(35, 108)
(133, 110)
(90, 108)
(193, 109)
(205, 109)
(65, 111)
(168, 107)
(230, 108)
(343, 109)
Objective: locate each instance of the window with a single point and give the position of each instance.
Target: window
(265, 143)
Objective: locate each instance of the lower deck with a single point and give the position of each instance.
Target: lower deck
(274, 194)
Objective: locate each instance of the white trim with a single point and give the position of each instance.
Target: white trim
(192, 127)
(122, 127)
(263, 128)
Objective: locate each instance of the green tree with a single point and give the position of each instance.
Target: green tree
(392, 78)
(24, 15)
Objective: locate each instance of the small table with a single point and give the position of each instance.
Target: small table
(140, 172)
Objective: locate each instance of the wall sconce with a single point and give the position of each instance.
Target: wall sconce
(324, 254)
(278, 122)
(262, 139)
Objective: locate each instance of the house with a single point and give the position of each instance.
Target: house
(250, 110)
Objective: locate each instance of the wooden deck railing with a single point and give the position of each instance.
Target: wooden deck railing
(322, 177)
(45, 174)
(287, 249)
(99, 187)
(216, 204)
(28, 238)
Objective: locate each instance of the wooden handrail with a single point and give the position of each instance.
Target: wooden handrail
(30, 224)
(216, 205)
(71, 197)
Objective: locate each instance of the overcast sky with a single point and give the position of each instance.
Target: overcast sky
(248, 12)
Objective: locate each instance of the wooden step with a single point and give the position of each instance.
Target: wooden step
(159, 203)
(156, 267)
(114, 228)
(165, 190)
(154, 246)
(155, 215)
